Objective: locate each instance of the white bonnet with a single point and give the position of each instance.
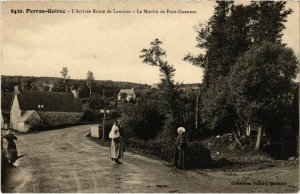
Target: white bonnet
(181, 129)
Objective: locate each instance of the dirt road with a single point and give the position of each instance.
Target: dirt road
(64, 160)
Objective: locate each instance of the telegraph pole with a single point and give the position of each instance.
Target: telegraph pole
(103, 125)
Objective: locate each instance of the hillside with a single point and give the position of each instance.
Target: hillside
(109, 87)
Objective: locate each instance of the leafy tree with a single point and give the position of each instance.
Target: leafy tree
(268, 18)
(261, 83)
(97, 101)
(89, 81)
(213, 38)
(229, 33)
(223, 39)
(143, 121)
(154, 57)
(64, 73)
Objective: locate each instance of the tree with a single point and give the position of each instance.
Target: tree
(154, 57)
(214, 39)
(143, 121)
(268, 18)
(97, 101)
(229, 33)
(64, 73)
(261, 82)
(89, 81)
(223, 39)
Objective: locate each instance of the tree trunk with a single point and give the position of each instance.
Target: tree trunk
(66, 86)
(258, 140)
(90, 91)
(236, 139)
(248, 130)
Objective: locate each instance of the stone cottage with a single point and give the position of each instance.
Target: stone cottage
(33, 109)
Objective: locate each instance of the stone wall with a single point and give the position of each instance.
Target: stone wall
(60, 118)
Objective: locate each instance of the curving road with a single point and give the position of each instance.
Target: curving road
(64, 160)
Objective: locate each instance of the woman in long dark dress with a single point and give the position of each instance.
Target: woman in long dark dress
(179, 149)
(11, 147)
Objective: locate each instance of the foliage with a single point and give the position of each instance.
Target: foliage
(268, 18)
(143, 121)
(123, 96)
(98, 102)
(89, 81)
(111, 87)
(169, 95)
(216, 108)
(91, 115)
(64, 73)
(223, 38)
(261, 82)
(229, 33)
(197, 155)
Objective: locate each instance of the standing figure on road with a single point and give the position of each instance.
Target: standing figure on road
(116, 145)
(11, 147)
(179, 149)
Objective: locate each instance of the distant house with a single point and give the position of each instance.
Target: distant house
(154, 87)
(126, 94)
(190, 88)
(32, 108)
(6, 100)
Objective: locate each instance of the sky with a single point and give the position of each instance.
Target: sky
(108, 44)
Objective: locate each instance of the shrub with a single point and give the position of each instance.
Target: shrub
(142, 121)
(197, 155)
(91, 115)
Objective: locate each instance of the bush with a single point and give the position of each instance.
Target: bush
(197, 155)
(113, 115)
(91, 115)
(197, 134)
(143, 121)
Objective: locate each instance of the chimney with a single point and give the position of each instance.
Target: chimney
(75, 93)
(17, 89)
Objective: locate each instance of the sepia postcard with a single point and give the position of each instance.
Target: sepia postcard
(150, 96)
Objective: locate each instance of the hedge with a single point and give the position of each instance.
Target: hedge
(197, 155)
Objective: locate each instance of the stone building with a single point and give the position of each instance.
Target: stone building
(34, 109)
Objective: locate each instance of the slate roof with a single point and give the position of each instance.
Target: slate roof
(6, 100)
(48, 101)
